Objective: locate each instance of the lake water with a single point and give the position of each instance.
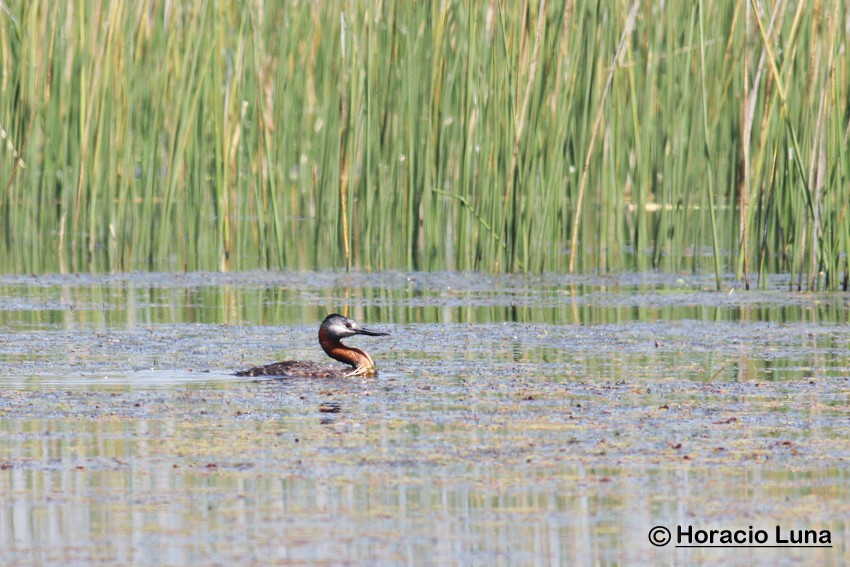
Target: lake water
(515, 420)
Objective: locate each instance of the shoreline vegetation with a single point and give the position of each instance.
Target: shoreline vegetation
(572, 137)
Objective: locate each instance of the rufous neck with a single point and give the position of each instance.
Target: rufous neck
(345, 354)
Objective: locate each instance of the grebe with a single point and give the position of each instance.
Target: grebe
(334, 328)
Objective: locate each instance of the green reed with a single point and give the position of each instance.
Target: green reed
(495, 136)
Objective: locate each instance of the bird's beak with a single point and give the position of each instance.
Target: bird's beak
(370, 332)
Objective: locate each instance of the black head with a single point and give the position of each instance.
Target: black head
(340, 327)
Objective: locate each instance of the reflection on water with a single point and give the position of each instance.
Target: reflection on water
(515, 420)
(266, 298)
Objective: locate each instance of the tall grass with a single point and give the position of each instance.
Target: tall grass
(495, 136)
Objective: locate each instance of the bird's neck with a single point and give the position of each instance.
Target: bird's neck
(348, 355)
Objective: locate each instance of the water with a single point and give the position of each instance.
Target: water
(515, 420)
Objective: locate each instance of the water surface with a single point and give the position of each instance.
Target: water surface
(515, 420)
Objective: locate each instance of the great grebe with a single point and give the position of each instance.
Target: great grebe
(334, 328)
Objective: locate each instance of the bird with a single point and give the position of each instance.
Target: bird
(334, 328)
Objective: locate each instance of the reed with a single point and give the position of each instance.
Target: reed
(493, 136)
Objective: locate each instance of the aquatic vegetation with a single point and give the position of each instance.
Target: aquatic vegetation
(490, 136)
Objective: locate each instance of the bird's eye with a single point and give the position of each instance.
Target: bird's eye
(348, 325)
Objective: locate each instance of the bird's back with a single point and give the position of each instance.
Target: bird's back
(298, 368)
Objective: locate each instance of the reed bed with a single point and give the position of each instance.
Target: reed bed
(493, 136)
